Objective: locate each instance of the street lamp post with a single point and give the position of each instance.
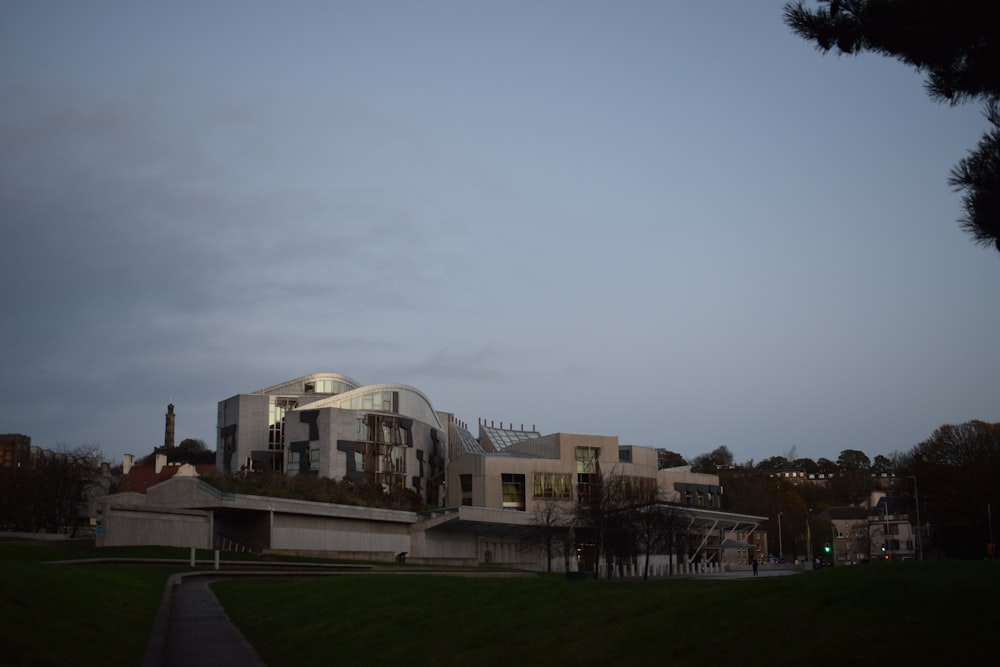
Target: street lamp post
(916, 501)
(885, 539)
(781, 545)
(809, 548)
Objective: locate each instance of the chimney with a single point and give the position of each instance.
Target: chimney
(168, 436)
(161, 462)
(127, 463)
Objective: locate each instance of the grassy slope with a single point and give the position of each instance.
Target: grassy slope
(920, 613)
(60, 614)
(905, 613)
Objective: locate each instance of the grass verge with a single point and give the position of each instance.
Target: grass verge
(905, 613)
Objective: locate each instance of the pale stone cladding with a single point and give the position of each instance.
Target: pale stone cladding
(328, 425)
(187, 512)
(250, 426)
(683, 487)
(478, 479)
(242, 428)
(530, 473)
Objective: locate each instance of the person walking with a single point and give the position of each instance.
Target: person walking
(754, 564)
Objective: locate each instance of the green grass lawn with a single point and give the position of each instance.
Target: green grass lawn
(62, 614)
(885, 614)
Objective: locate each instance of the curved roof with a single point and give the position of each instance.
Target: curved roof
(296, 385)
(412, 402)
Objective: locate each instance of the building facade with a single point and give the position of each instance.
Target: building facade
(877, 529)
(487, 491)
(329, 425)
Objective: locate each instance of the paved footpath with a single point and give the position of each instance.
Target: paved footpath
(193, 630)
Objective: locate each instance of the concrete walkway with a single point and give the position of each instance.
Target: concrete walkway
(193, 630)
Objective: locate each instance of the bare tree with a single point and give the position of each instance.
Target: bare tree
(552, 530)
(648, 524)
(599, 512)
(50, 493)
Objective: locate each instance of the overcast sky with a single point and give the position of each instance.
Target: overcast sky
(674, 222)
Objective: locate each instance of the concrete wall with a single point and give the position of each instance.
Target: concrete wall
(250, 413)
(130, 526)
(334, 537)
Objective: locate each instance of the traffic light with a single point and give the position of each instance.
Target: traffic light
(826, 547)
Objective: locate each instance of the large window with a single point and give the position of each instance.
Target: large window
(326, 387)
(276, 421)
(637, 489)
(587, 459)
(466, 483)
(587, 470)
(373, 400)
(552, 485)
(513, 491)
(380, 452)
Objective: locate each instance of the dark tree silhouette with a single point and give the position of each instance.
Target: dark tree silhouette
(668, 459)
(720, 457)
(953, 42)
(958, 471)
(50, 494)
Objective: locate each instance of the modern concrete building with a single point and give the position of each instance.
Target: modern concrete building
(330, 425)
(523, 470)
(491, 490)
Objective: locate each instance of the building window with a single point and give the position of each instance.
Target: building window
(513, 491)
(314, 459)
(229, 439)
(587, 459)
(375, 400)
(624, 455)
(326, 387)
(552, 485)
(276, 421)
(381, 450)
(466, 483)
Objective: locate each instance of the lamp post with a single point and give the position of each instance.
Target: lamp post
(781, 545)
(885, 538)
(916, 501)
(809, 548)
